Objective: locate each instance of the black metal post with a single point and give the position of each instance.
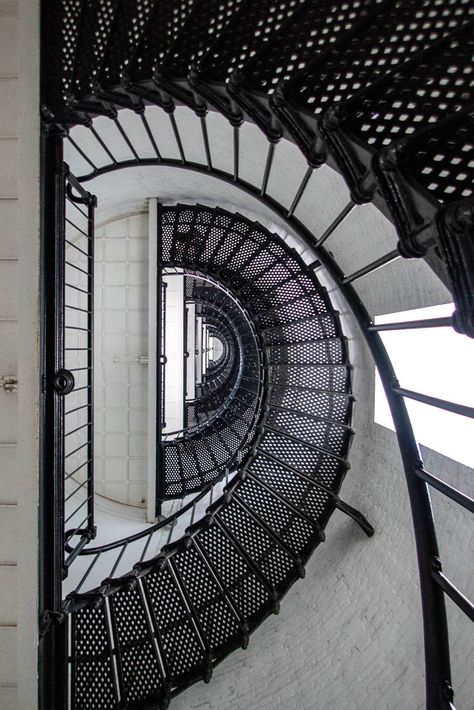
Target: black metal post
(53, 631)
(160, 364)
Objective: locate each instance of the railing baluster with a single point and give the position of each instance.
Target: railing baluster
(373, 266)
(445, 488)
(103, 144)
(117, 561)
(150, 135)
(413, 324)
(335, 223)
(127, 140)
(451, 590)
(177, 136)
(236, 143)
(268, 167)
(205, 137)
(453, 407)
(82, 153)
(87, 572)
(300, 191)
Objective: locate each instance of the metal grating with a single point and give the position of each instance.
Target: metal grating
(217, 620)
(184, 653)
(93, 682)
(140, 673)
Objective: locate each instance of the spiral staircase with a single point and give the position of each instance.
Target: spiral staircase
(380, 91)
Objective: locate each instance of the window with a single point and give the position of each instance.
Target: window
(438, 362)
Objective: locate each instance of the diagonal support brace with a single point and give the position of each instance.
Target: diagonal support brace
(356, 516)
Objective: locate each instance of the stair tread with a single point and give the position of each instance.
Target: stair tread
(317, 87)
(396, 106)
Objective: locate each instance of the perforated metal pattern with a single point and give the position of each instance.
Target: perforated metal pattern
(257, 540)
(390, 35)
(331, 351)
(129, 26)
(312, 328)
(162, 28)
(208, 19)
(442, 160)
(325, 378)
(309, 32)
(64, 16)
(250, 28)
(93, 686)
(323, 467)
(401, 104)
(296, 532)
(247, 592)
(304, 495)
(274, 562)
(96, 25)
(139, 668)
(215, 616)
(184, 654)
(322, 433)
(301, 307)
(323, 404)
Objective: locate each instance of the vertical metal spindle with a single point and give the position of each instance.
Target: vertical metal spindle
(171, 531)
(205, 138)
(90, 365)
(87, 572)
(82, 153)
(126, 138)
(149, 536)
(174, 126)
(300, 191)
(340, 218)
(102, 144)
(268, 167)
(117, 561)
(236, 136)
(150, 135)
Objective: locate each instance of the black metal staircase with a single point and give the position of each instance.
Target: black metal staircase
(344, 81)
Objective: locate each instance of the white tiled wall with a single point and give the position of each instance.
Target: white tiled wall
(121, 327)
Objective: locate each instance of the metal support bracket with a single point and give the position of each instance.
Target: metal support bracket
(356, 516)
(48, 619)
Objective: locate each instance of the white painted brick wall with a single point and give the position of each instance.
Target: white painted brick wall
(121, 336)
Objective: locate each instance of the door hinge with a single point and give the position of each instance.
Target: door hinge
(9, 383)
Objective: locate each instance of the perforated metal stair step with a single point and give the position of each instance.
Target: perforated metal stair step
(396, 106)
(325, 434)
(391, 34)
(307, 33)
(250, 28)
(330, 350)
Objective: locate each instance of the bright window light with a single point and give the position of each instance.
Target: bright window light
(438, 362)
